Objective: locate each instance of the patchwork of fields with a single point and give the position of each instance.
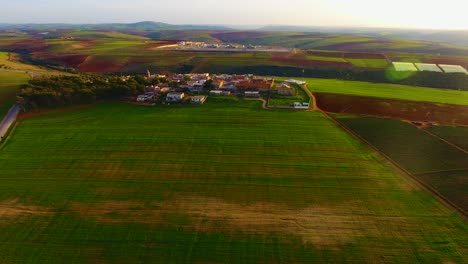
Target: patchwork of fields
(122, 183)
(96, 51)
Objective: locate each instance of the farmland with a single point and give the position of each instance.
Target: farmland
(434, 162)
(9, 84)
(392, 91)
(455, 135)
(229, 180)
(103, 51)
(449, 114)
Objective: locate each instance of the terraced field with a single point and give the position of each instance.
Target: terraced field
(225, 181)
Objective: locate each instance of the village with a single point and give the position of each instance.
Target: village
(171, 88)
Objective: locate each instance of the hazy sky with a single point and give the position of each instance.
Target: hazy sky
(447, 14)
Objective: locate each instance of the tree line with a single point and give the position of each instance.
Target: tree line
(77, 89)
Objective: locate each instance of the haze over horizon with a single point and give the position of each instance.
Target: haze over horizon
(334, 13)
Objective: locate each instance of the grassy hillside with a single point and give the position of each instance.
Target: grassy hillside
(388, 91)
(227, 180)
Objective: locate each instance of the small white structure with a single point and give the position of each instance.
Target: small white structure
(145, 98)
(298, 105)
(427, 67)
(201, 99)
(404, 66)
(220, 93)
(175, 97)
(453, 68)
(252, 94)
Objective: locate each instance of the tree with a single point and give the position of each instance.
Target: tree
(208, 85)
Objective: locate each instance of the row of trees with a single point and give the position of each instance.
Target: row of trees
(79, 89)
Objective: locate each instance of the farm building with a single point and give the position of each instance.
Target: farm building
(229, 87)
(175, 97)
(252, 94)
(201, 99)
(220, 93)
(256, 84)
(286, 89)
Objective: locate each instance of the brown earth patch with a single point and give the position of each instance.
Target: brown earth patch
(101, 65)
(13, 208)
(31, 45)
(406, 110)
(286, 58)
(72, 60)
(320, 226)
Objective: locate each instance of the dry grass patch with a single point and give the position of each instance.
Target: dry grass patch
(320, 226)
(13, 208)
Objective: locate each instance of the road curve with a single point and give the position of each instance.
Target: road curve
(8, 121)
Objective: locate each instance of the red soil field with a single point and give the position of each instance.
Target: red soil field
(406, 110)
(32, 45)
(100, 65)
(72, 60)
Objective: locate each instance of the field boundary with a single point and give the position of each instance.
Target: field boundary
(445, 141)
(397, 166)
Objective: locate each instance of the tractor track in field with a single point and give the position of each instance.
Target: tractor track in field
(397, 166)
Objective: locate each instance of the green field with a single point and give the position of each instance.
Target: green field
(9, 84)
(223, 182)
(369, 63)
(455, 135)
(388, 91)
(436, 163)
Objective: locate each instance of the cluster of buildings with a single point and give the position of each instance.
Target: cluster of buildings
(203, 45)
(194, 88)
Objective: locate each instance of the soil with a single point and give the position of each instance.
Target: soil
(406, 110)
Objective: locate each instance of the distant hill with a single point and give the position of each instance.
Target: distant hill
(148, 26)
(455, 37)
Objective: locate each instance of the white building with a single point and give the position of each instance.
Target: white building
(175, 97)
(298, 105)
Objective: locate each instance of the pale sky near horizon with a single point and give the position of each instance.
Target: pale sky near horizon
(447, 14)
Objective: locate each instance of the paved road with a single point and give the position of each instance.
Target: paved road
(8, 121)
